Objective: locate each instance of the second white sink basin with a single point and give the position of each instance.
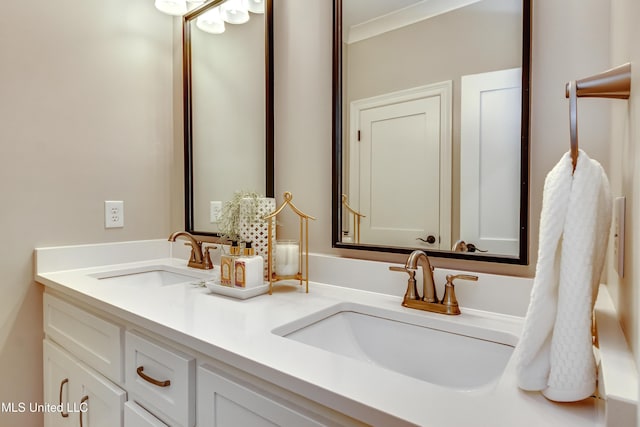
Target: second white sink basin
(147, 277)
(441, 352)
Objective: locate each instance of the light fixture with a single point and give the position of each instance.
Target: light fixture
(172, 7)
(256, 6)
(177, 7)
(211, 21)
(235, 11)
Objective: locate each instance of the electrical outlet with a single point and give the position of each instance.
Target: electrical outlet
(113, 214)
(215, 209)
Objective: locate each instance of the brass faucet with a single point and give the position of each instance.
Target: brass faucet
(429, 300)
(198, 258)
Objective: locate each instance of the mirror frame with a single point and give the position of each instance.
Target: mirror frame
(188, 113)
(337, 145)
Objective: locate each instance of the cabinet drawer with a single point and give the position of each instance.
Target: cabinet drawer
(136, 416)
(93, 340)
(162, 379)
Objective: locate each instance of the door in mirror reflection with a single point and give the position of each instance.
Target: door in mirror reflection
(399, 144)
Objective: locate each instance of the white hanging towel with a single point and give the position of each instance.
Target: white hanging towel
(555, 353)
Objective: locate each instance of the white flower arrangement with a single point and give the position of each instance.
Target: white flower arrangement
(229, 222)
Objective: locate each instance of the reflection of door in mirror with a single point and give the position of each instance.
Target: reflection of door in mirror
(398, 145)
(229, 114)
(407, 187)
(490, 160)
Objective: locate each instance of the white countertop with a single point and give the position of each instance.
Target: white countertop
(239, 332)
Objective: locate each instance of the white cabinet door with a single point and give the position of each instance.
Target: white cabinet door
(223, 402)
(58, 370)
(136, 416)
(88, 398)
(101, 402)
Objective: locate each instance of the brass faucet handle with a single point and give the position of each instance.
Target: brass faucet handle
(449, 299)
(206, 257)
(412, 290)
(452, 277)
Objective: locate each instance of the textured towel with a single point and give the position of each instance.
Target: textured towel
(555, 353)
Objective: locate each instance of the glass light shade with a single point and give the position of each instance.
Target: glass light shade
(235, 11)
(211, 21)
(256, 6)
(172, 7)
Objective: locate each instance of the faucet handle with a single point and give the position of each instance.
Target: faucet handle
(412, 290)
(452, 277)
(206, 258)
(449, 298)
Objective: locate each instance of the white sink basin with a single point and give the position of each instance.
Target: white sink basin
(441, 352)
(148, 277)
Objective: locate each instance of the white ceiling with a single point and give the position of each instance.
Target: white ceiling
(362, 19)
(358, 11)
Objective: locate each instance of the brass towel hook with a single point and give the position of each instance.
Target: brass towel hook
(573, 122)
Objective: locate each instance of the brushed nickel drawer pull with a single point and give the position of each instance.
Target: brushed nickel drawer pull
(62, 383)
(82, 405)
(153, 381)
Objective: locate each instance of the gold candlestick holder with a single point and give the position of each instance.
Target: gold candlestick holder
(291, 253)
(357, 217)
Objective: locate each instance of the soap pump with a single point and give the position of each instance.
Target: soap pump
(249, 268)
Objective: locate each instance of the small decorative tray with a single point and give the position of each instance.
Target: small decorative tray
(240, 293)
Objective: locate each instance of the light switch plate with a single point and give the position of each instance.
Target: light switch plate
(619, 205)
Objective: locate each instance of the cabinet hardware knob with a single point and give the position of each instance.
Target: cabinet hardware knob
(82, 402)
(153, 381)
(62, 383)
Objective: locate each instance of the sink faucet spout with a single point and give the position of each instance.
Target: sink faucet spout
(199, 258)
(196, 247)
(428, 284)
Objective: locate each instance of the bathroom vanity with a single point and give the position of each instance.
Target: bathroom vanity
(133, 338)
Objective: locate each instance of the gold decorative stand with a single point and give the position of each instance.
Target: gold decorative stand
(303, 246)
(357, 216)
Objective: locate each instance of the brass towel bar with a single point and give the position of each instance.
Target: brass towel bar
(614, 83)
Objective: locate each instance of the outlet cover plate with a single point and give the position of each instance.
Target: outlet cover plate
(619, 206)
(215, 210)
(113, 214)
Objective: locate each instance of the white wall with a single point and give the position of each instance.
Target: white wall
(625, 176)
(85, 116)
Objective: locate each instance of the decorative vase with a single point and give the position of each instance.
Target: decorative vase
(254, 229)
